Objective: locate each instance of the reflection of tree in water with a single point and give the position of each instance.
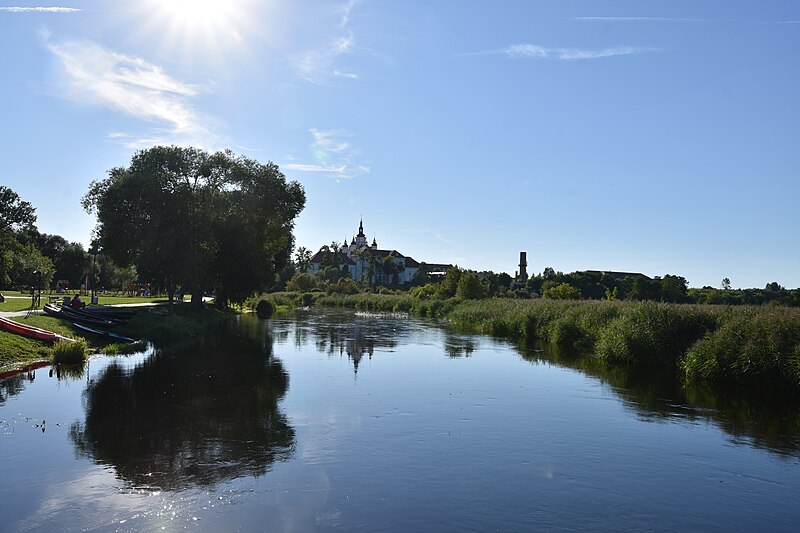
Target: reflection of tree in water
(456, 345)
(12, 386)
(764, 419)
(13, 383)
(194, 416)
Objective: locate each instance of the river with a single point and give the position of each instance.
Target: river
(335, 421)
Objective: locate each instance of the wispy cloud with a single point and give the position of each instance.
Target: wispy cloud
(40, 9)
(780, 22)
(133, 87)
(638, 19)
(319, 65)
(532, 51)
(332, 155)
(346, 9)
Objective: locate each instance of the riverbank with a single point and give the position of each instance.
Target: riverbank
(151, 324)
(745, 345)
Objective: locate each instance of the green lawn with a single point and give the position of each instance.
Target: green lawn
(21, 304)
(115, 300)
(18, 349)
(15, 304)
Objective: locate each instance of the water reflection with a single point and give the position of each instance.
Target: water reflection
(342, 334)
(754, 416)
(190, 416)
(12, 385)
(762, 418)
(456, 345)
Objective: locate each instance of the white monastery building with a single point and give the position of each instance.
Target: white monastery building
(359, 257)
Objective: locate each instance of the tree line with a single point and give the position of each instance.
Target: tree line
(176, 218)
(550, 284)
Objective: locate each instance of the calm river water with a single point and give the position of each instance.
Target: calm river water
(336, 421)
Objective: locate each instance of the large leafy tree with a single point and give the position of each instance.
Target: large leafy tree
(186, 218)
(15, 215)
(13, 211)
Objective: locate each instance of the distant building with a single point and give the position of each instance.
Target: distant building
(617, 275)
(522, 275)
(387, 266)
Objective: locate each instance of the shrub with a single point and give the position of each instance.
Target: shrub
(264, 308)
(301, 283)
(343, 286)
(470, 287)
(653, 333)
(562, 291)
(70, 352)
(759, 345)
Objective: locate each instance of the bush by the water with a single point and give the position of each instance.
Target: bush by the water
(264, 308)
(70, 351)
(758, 345)
(654, 333)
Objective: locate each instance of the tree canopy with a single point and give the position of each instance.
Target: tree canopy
(14, 212)
(187, 218)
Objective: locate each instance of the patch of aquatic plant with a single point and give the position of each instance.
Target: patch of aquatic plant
(753, 345)
(124, 348)
(283, 301)
(654, 333)
(560, 321)
(381, 314)
(68, 352)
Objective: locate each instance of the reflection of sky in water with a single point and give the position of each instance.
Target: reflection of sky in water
(383, 424)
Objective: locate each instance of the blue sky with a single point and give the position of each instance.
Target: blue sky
(657, 137)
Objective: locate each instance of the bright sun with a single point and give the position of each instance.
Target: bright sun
(202, 24)
(202, 12)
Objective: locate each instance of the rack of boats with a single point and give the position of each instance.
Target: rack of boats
(86, 319)
(94, 316)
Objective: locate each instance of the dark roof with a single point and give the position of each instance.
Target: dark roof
(617, 275)
(411, 262)
(438, 267)
(343, 259)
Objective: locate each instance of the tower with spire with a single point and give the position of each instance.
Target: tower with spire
(361, 239)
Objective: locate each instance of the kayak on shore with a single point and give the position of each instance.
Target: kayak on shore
(31, 331)
(103, 333)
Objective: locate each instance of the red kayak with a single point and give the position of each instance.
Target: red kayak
(30, 331)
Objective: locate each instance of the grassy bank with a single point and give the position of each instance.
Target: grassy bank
(737, 344)
(150, 324)
(742, 344)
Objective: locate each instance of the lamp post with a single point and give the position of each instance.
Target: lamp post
(93, 251)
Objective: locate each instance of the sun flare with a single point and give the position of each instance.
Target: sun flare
(203, 25)
(201, 12)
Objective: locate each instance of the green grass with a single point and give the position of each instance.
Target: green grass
(116, 300)
(15, 304)
(751, 345)
(22, 304)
